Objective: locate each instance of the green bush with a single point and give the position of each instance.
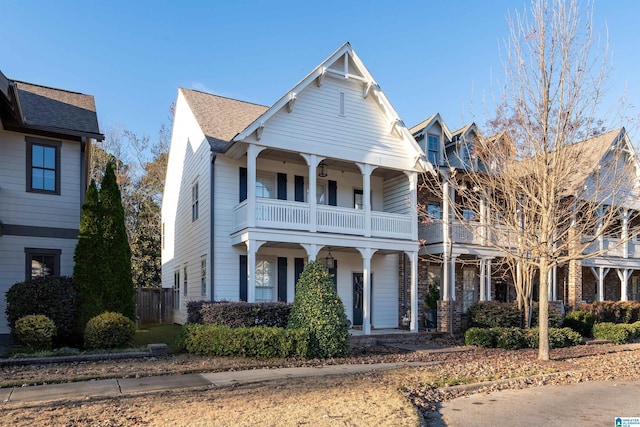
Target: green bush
(614, 311)
(317, 309)
(258, 342)
(109, 330)
(580, 321)
(243, 314)
(54, 297)
(558, 337)
(480, 337)
(616, 333)
(510, 338)
(36, 331)
(555, 317)
(634, 329)
(494, 314)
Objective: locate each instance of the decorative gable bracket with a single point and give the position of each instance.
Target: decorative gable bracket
(395, 125)
(259, 130)
(292, 100)
(321, 76)
(367, 88)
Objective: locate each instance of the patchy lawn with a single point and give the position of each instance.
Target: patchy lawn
(156, 333)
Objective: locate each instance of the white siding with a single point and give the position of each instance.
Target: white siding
(363, 134)
(186, 241)
(397, 195)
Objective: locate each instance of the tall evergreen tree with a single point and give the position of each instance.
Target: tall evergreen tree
(118, 284)
(89, 270)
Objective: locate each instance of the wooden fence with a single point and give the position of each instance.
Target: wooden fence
(154, 305)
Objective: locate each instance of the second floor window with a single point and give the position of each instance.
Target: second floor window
(194, 201)
(433, 149)
(265, 187)
(434, 211)
(43, 166)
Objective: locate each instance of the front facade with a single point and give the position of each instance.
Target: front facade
(45, 135)
(327, 172)
(455, 253)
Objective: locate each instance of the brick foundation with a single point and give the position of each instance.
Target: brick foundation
(444, 317)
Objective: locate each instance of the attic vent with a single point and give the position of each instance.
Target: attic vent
(341, 103)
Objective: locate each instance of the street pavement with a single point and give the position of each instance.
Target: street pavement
(582, 404)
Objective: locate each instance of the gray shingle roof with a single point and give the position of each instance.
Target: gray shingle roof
(45, 107)
(221, 118)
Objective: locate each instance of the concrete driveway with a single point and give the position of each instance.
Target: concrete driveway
(584, 404)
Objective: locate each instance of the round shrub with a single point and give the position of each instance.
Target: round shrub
(580, 321)
(54, 297)
(317, 309)
(494, 314)
(617, 333)
(480, 337)
(108, 330)
(510, 338)
(35, 331)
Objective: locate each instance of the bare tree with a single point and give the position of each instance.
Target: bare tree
(544, 198)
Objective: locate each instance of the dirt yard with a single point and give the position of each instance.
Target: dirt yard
(390, 398)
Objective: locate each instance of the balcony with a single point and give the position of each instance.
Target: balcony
(468, 233)
(612, 246)
(288, 215)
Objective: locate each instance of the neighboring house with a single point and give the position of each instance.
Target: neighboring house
(473, 272)
(328, 172)
(45, 135)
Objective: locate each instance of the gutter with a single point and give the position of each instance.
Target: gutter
(212, 193)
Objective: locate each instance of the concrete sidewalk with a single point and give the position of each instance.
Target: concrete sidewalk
(119, 387)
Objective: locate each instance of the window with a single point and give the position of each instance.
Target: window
(203, 276)
(43, 166)
(433, 148)
(176, 289)
(194, 201)
(321, 193)
(434, 211)
(468, 214)
(184, 281)
(42, 262)
(469, 288)
(358, 199)
(265, 279)
(265, 187)
(341, 103)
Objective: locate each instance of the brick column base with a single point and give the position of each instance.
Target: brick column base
(444, 317)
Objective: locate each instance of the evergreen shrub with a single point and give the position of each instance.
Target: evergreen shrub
(108, 330)
(35, 331)
(244, 314)
(558, 337)
(494, 314)
(580, 321)
(614, 311)
(317, 309)
(614, 332)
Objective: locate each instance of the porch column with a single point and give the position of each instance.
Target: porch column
(252, 249)
(483, 283)
(366, 291)
(600, 273)
(488, 287)
(600, 230)
(413, 188)
(624, 274)
(446, 239)
(252, 156)
(312, 161)
(626, 215)
(312, 250)
(413, 258)
(366, 170)
(452, 278)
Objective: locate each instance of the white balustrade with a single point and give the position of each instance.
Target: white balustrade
(240, 216)
(271, 213)
(333, 219)
(390, 225)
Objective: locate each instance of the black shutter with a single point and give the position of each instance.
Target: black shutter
(244, 271)
(299, 190)
(298, 267)
(333, 193)
(282, 279)
(243, 184)
(282, 186)
(334, 272)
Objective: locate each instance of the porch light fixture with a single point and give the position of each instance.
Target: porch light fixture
(323, 169)
(329, 261)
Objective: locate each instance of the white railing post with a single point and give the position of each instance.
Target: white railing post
(252, 161)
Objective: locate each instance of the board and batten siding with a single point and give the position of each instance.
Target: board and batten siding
(186, 241)
(362, 134)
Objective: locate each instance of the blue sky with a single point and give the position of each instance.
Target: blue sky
(428, 56)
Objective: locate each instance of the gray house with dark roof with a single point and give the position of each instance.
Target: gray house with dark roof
(45, 139)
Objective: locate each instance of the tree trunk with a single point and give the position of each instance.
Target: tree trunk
(543, 315)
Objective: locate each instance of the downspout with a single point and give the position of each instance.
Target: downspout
(212, 193)
(83, 169)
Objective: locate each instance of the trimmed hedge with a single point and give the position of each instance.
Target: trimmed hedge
(614, 311)
(257, 342)
(108, 330)
(244, 314)
(515, 338)
(494, 314)
(193, 311)
(35, 331)
(617, 333)
(580, 321)
(555, 317)
(54, 297)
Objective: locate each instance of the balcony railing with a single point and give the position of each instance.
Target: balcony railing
(612, 246)
(468, 233)
(288, 215)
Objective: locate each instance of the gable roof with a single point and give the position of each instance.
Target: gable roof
(419, 129)
(45, 110)
(220, 118)
(362, 74)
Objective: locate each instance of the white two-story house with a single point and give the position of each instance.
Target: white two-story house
(455, 252)
(327, 172)
(45, 135)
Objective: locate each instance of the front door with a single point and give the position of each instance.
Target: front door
(358, 296)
